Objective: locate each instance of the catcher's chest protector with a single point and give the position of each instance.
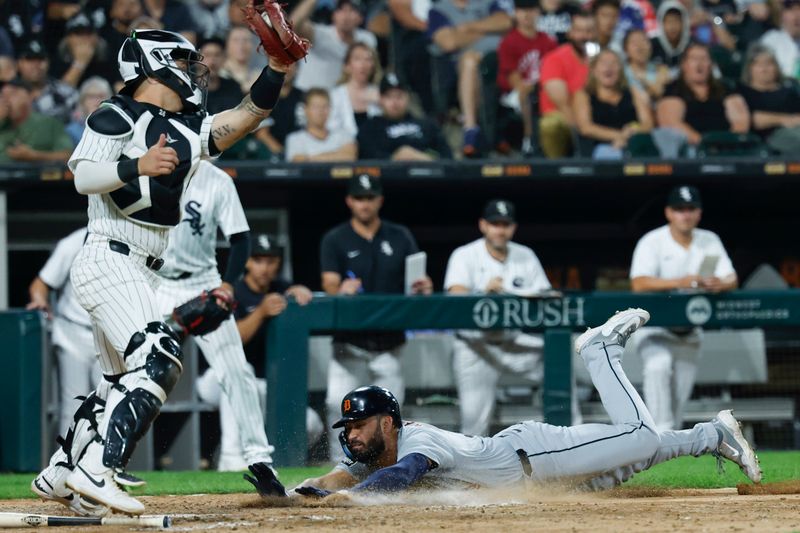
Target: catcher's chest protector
(156, 201)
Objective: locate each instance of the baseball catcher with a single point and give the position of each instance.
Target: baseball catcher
(389, 454)
(136, 157)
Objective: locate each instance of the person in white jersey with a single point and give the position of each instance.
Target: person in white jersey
(78, 369)
(389, 454)
(138, 153)
(494, 264)
(670, 258)
(190, 267)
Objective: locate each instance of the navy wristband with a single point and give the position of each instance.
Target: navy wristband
(266, 90)
(128, 170)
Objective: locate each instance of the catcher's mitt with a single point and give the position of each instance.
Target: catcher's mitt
(204, 313)
(270, 23)
(265, 482)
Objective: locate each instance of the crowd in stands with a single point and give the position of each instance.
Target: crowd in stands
(429, 79)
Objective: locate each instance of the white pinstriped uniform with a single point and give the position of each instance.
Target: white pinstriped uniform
(210, 202)
(78, 370)
(118, 290)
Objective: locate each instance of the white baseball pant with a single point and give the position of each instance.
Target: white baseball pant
(352, 367)
(589, 450)
(78, 368)
(477, 367)
(669, 370)
(231, 457)
(223, 350)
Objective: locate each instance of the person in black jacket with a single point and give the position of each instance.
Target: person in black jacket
(396, 135)
(365, 255)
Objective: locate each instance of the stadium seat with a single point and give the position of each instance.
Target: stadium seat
(729, 63)
(443, 81)
(641, 145)
(725, 143)
(488, 107)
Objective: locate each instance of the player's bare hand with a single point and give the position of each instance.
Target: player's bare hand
(301, 294)
(712, 284)
(422, 286)
(278, 66)
(40, 305)
(21, 152)
(689, 282)
(495, 285)
(81, 47)
(350, 286)
(159, 159)
(272, 305)
(227, 287)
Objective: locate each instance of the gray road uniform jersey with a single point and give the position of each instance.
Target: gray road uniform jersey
(141, 212)
(606, 454)
(461, 459)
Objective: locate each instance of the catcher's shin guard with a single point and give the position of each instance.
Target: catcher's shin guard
(136, 400)
(83, 429)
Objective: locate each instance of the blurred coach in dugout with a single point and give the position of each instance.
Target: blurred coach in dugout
(494, 265)
(676, 256)
(365, 255)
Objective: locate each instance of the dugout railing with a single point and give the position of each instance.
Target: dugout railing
(557, 318)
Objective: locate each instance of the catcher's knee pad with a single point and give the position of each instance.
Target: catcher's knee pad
(155, 335)
(137, 399)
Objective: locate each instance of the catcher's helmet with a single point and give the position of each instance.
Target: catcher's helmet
(156, 54)
(365, 402)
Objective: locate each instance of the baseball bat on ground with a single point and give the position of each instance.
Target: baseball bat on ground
(40, 520)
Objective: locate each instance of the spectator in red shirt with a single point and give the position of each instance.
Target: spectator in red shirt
(520, 55)
(564, 71)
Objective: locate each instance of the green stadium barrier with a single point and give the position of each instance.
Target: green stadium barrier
(287, 344)
(23, 337)
(21, 416)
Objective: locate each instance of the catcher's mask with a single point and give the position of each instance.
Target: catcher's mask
(169, 58)
(365, 402)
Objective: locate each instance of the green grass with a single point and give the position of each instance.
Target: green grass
(684, 472)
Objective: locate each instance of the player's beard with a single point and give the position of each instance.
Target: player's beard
(371, 450)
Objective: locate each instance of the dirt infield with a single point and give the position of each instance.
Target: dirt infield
(622, 510)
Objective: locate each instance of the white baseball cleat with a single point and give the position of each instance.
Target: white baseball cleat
(734, 447)
(616, 330)
(48, 490)
(102, 487)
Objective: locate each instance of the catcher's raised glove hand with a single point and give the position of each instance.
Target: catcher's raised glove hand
(204, 313)
(270, 23)
(265, 481)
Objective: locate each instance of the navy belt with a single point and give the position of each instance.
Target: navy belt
(182, 275)
(153, 263)
(525, 461)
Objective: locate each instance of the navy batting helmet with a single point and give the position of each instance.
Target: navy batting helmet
(365, 402)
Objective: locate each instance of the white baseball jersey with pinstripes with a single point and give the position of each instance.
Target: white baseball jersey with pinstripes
(106, 218)
(210, 202)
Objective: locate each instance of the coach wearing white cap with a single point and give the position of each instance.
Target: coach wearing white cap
(676, 256)
(494, 265)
